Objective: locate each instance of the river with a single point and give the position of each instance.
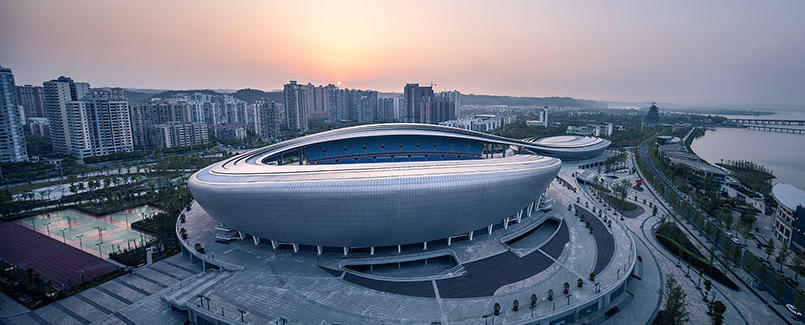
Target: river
(782, 153)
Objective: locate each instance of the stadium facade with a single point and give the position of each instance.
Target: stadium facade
(377, 185)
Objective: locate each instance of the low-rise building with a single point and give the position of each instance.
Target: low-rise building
(481, 123)
(675, 154)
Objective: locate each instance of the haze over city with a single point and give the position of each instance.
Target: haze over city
(690, 52)
(402, 162)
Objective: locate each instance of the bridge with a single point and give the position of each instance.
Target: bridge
(772, 129)
(742, 121)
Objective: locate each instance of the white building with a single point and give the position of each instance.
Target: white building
(481, 123)
(12, 140)
(266, 118)
(57, 93)
(788, 198)
(98, 126)
(177, 134)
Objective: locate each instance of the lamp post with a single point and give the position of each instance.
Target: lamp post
(48, 228)
(100, 249)
(64, 238)
(80, 243)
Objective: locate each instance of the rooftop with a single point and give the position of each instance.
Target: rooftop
(789, 195)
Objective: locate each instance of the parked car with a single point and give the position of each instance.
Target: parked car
(735, 240)
(793, 310)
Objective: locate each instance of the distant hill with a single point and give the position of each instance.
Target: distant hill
(528, 101)
(249, 95)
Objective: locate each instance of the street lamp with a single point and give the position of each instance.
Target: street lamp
(48, 227)
(64, 238)
(100, 250)
(80, 243)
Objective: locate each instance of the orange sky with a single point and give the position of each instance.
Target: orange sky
(730, 52)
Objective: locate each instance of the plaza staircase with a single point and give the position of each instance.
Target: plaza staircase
(188, 291)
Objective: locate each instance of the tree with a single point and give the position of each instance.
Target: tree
(708, 285)
(533, 300)
(567, 287)
(199, 248)
(550, 295)
(580, 283)
(748, 216)
(497, 309)
(782, 256)
(592, 277)
(516, 305)
(718, 308)
(769, 248)
(621, 189)
(675, 305)
(797, 265)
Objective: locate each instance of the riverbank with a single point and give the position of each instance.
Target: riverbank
(781, 153)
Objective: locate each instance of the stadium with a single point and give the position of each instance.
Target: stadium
(401, 223)
(381, 185)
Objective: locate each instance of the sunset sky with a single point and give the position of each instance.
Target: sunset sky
(686, 52)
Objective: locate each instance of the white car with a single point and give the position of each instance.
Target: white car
(736, 241)
(793, 310)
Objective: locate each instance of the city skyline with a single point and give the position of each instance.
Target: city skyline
(697, 54)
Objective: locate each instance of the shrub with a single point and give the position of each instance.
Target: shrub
(567, 287)
(592, 277)
(497, 309)
(581, 283)
(515, 305)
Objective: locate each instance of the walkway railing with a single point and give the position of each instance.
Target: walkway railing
(204, 258)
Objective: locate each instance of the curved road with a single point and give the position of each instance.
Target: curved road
(642, 150)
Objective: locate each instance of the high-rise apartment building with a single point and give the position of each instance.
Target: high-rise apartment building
(98, 126)
(266, 118)
(443, 108)
(418, 103)
(32, 101)
(57, 93)
(386, 109)
(296, 106)
(12, 140)
(177, 134)
(422, 105)
(145, 116)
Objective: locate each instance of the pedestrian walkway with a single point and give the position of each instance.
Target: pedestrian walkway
(128, 299)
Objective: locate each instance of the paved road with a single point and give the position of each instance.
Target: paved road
(642, 150)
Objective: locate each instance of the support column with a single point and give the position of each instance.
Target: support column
(530, 208)
(346, 251)
(449, 241)
(399, 249)
(519, 216)
(318, 249)
(470, 234)
(203, 265)
(274, 244)
(506, 223)
(257, 240)
(489, 229)
(295, 247)
(425, 247)
(372, 250)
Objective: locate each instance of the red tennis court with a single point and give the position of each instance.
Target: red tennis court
(55, 261)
